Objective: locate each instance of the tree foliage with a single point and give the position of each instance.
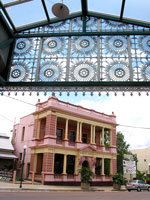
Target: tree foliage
(140, 175)
(122, 148)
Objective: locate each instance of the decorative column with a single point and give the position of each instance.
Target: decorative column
(102, 136)
(91, 138)
(76, 165)
(77, 132)
(80, 135)
(110, 137)
(65, 164)
(66, 130)
(103, 166)
(93, 134)
(111, 167)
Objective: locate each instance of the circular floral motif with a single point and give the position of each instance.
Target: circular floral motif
(18, 72)
(53, 45)
(50, 71)
(84, 45)
(118, 71)
(116, 44)
(83, 71)
(114, 24)
(146, 72)
(144, 44)
(90, 21)
(23, 46)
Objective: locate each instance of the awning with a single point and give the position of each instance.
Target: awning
(7, 156)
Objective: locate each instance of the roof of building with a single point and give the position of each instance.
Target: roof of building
(7, 155)
(5, 143)
(4, 135)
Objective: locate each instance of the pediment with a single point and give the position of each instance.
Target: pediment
(88, 148)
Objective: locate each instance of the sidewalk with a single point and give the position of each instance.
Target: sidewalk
(37, 187)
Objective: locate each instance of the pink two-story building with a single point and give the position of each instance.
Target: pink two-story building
(61, 138)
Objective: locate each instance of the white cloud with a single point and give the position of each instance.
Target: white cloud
(131, 111)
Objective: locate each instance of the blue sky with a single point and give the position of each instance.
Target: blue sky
(131, 111)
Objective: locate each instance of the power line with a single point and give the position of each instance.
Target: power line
(134, 126)
(43, 108)
(6, 118)
(20, 100)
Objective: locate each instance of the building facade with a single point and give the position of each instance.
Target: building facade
(7, 156)
(143, 157)
(61, 138)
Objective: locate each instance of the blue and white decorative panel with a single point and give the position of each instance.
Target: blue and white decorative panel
(82, 58)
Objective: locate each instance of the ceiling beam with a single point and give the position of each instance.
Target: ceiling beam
(82, 34)
(68, 84)
(14, 3)
(7, 16)
(46, 11)
(117, 18)
(122, 9)
(84, 7)
(5, 25)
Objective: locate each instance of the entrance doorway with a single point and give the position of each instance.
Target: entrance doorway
(85, 164)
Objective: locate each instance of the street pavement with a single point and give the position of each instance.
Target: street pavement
(37, 187)
(70, 195)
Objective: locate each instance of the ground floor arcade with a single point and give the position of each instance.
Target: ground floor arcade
(62, 166)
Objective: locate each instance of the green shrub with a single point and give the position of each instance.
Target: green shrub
(119, 179)
(86, 174)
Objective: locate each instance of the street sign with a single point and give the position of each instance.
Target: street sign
(129, 167)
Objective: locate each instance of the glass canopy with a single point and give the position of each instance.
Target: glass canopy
(24, 12)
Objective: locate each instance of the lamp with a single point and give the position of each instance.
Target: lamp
(60, 10)
(22, 165)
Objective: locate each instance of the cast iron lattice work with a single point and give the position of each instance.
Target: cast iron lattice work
(95, 59)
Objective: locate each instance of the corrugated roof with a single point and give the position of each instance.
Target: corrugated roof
(5, 144)
(4, 135)
(7, 155)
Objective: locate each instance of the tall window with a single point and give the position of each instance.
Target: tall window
(23, 132)
(42, 128)
(70, 164)
(39, 163)
(58, 163)
(59, 134)
(72, 136)
(84, 137)
(98, 166)
(107, 166)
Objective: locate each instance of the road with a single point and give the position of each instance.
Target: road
(133, 195)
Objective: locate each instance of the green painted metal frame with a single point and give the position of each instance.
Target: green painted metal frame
(82, 34)
(122, 9)
(80, 84)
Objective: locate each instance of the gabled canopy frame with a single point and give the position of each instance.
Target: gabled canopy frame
(86, 51)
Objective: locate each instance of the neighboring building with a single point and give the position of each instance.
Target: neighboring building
(7, 156)
(143, 157)
(61, 138)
